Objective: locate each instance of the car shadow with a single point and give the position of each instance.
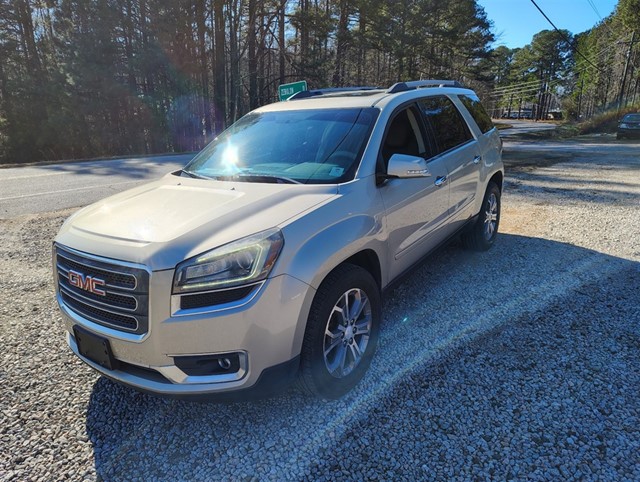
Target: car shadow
(455, 299)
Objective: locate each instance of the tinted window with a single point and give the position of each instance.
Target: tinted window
(449, 128)
(473, 105)
(631, 118)
(403, 136)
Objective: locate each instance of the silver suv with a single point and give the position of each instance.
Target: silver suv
(264, 259)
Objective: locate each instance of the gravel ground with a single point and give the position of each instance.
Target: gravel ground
(519, 363)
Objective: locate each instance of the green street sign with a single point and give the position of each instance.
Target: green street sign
(287, 90)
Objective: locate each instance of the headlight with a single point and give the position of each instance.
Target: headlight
(624, 126)
(241, 262)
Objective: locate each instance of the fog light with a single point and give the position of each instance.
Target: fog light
(207, 365)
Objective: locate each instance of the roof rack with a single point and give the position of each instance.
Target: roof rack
(312, 93)
(394, 89)
(418, 84)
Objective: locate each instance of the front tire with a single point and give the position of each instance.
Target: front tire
(342, 332)
(483, 232)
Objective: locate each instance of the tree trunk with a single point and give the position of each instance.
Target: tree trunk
(219, 67)
(281, 39)
(34, 65)
(201, 13)
(341, 41)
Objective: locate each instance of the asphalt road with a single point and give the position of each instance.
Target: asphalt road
(50, 187)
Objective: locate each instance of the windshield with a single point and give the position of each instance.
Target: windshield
(304, 146)
(631, 118)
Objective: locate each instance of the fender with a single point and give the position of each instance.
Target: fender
(326, 250)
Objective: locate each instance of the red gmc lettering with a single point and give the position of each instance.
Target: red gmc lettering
(87, 283)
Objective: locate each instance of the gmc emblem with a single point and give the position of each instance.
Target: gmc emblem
(87, 283)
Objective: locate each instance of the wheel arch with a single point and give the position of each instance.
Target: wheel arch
(498, 179)
(368, 260)
(354, 240)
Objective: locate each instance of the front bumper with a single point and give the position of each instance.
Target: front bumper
(265, 331)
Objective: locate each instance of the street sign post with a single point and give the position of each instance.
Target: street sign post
(287, 90)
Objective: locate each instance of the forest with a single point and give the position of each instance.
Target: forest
(581, 75)
(99, 78)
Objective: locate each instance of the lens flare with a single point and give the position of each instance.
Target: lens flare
(230, 158)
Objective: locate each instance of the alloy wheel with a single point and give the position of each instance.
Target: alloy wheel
(347, 333)
(490, 216)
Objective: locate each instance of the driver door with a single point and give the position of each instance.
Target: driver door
(416, 210)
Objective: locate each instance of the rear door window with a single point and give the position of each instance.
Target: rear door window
(448, 127)
(475, 108)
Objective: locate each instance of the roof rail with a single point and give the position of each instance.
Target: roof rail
(305, 94)
(417, 84)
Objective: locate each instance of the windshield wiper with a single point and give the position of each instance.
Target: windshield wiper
(193, 174)
(258, 178)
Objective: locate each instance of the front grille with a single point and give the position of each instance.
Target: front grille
(125, 304)
(98, 315)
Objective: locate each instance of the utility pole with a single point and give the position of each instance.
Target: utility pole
(580, 98)
(626, 69)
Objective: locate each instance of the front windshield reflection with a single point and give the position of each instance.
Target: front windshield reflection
(307, 146)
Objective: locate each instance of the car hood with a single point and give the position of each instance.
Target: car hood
(172, 219)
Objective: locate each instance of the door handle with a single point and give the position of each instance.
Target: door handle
(440, 180)
(477, 159)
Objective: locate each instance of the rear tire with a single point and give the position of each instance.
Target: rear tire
(482, 234)
(342, 332)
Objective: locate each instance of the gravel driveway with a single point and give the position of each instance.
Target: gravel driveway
(519, 363)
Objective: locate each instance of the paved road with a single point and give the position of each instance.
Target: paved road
(44, 188)
(522, 127)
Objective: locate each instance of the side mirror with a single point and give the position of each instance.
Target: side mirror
(407, 167)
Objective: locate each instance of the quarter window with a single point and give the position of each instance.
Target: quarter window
(449, 128)
(473, 105)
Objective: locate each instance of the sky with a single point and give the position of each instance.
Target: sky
(516, 21)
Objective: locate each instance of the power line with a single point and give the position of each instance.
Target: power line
(573, 47)
(515, 86)
(509, 89)
(606, 25)
(531, 86)
(595, 9)
(517, 90)
(525, 91)
(517, 93)
(528, 90)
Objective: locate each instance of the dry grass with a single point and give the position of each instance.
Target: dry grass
(605, 122)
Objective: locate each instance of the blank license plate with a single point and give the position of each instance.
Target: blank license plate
(95, 348)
